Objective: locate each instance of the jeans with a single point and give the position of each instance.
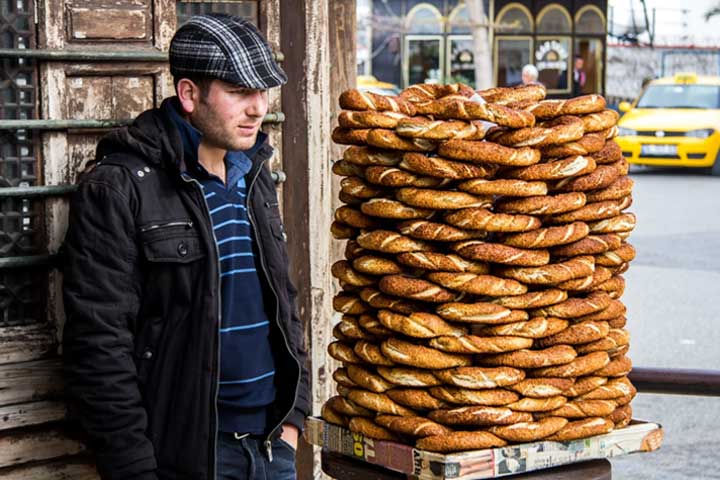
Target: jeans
(247, 459)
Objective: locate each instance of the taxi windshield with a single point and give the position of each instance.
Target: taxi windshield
(680, 96)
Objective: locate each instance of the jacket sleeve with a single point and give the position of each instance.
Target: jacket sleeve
(101, 302)
(302, 404)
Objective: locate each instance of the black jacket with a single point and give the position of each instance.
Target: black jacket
(141, 293)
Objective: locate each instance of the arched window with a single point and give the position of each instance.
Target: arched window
(459, 20)
(589, 19)
(424, 18)
(554, 19)
(514, 18)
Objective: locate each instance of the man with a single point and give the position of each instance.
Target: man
(530, 75)
(579, 76)
(183, 353)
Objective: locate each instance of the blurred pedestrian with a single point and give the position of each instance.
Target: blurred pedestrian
(530, 75)
(579, 76)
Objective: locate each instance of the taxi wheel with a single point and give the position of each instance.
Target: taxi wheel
(715, 169)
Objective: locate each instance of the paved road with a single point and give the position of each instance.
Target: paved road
(673, 293)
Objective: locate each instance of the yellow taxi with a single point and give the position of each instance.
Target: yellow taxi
(369, 83)
(675, 122)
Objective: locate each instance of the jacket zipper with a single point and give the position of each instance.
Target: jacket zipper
(219, 325)
(268, 440)
(186, 224)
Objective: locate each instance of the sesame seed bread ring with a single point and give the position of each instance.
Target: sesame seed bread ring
(480, 377)
(588, 144)
(624, 400)
(610, 153)
(331, 416)
(422, 92)
(390, 242)
(625, 222)
(614, 388)
(370, 353)
(619, 189)
(584, 385)
(542, 387)
(416, 398)
(529, 431)
(483, 219)
(415, 427)
(575, 334)
(625, 202)
(553, 170)
(370, 429)
(621, 416)
(575, 307)
(618, 367)
(552, 132)
(422, 357)
(343, 353)
(600, 121)
(610, 133)
(479, 415)
(378, 402)
(615, 309)
(589, 283)
(343, 168)
(581, 105)
(542, 205)
(619, 352)
(367, 379)
(589, 213)
(613, 258)
(537, 327)
(460, 108)
(364, 156)
(538, 299)
(344, 406)
(375, 265)
(622, 166)
(387, 208)
(583, 409)
(415, 288)
(582, 365)
(371, 324)
(439, 232)
(603, 176)
(590, 245)
(616, 338)
(394, 177)
(341, 377)
(499, 253)
(478, 284)
(388, 139)
(349, 304)
(617, 322)
(481, 313)
(350, 136)
(344, 197)
(356, 187)
(496, 397)
(354, 99)
(341, 231)
(548, 236)
(408, 377)
(349, 329)
(552, 274)
(369, 119)
(435, 261)
(440, 199)
(418, 325)
(422, 127)
(533, 405)
(513, 188)
(343, 271)
(460, 441)
(443, 168)
(354, 217)
(488, 152)
(474, 344)
(520, 93)
(587, 427)
(557, 355)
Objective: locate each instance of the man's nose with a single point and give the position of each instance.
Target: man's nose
(255, 104)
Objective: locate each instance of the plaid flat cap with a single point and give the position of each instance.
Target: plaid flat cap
(226, 47)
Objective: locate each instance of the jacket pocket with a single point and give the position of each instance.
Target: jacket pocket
(172, 241)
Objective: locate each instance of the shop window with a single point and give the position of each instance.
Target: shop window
(423, 59)
(461, 60)
(424, 18)
(514, 18)
(242, 8)
(589, 19)
(552, 59)
(459, 20)
(511, 54)
(589, 80)
(554, 19)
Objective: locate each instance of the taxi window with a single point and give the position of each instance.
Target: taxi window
(680, 96)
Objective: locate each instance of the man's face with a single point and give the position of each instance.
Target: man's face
(229, 116)
(527, 78)
(579, 62)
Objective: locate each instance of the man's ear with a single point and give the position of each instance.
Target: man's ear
(189, 94)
